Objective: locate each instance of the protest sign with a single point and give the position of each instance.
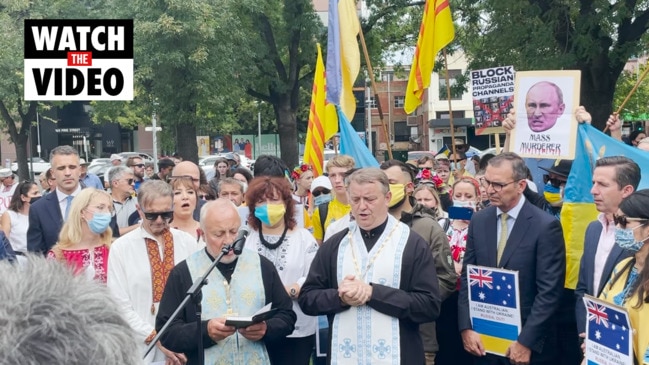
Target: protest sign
(493, 93)
(545, 102)
(608, 334)
(494, 307)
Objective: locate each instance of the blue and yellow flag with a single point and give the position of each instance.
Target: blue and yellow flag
(578, 204)
(444, 151)
(352, 145)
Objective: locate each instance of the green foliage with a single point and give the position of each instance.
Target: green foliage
(637, 103)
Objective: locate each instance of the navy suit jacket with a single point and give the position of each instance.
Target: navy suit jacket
(535, 248)
(585, 284)
(45, 222)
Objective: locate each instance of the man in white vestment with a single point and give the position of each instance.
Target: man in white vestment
(140, 262)
(376, 281)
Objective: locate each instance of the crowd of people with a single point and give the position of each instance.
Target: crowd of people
(380, 254)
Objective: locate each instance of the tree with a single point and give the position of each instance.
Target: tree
(595, 37)
(636, 107)
(17, 115)
(280, 63)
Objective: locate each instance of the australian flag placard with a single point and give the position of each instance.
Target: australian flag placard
(494, 306)
(608, 334)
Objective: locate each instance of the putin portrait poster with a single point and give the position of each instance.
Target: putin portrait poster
(545, 103)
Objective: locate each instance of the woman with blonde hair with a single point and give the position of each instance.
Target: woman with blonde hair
(185, 199)
(86, 235)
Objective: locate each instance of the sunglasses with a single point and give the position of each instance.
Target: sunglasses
(622, 220)
(203, 196)
(130, 181)
(317, 193)
(140, 165)
(554, 182)
(153, 216)
(426, 168)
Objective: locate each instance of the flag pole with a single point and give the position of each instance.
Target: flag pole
(450, 108)
(374, 90)
(635, 87)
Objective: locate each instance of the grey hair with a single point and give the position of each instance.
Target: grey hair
(63, 150)
(230, 181)
(151, 190)
(367, 176)
(50, 316)
(218, 203)
(519, 169)
(116, 173)
(627, 172)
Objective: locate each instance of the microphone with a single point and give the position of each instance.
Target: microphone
(240, 241)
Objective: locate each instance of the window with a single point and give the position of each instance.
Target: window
(401, 131)
(371, 102)
(399, 101)
(445, 115)
(456, 88)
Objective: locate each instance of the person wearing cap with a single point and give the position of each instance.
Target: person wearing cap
(321, 190)
(165, 166)
(88, 179)
(7, 188)
(233, 160)
(115, 160)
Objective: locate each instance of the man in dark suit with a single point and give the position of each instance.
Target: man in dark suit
(46, 215)
(515, 235)
(614, 178)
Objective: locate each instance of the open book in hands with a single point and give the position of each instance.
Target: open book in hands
(261, 315)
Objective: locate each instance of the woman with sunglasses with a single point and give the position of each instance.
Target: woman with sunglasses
(628, 285)
(274, 234)
(184, 202)
(86, 236)
(15, 220)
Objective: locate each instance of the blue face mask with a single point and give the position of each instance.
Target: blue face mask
(321, 199)
(626, 240)
(99, 222)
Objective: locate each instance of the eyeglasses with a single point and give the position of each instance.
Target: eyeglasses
(622, 220)
(317, 193)
(130, 181)
(153, 216)
(140, 165)
(495, 185)
(196, 180)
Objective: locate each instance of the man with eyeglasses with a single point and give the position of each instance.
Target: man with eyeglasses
(140, 262)
(137, 166)
(514, 234)
(614, 179)
(121, 190)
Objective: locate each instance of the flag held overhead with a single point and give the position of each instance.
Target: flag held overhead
(435, 33)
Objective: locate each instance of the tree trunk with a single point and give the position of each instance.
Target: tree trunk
(597, 89)
(287, 128)
(20, 142)
(186, 139)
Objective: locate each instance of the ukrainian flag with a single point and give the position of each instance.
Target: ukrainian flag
(444, 150)
(578, 206)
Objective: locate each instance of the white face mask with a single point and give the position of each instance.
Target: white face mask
(464, 203)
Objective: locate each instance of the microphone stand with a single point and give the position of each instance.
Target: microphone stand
(193, 294)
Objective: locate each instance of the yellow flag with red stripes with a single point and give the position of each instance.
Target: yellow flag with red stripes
(320, 128)
(435, 33)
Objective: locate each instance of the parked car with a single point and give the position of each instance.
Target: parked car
(99, 161)
(99, 170)
(144, 156)
(39, 165)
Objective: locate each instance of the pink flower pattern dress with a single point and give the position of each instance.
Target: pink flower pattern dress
(92, 263)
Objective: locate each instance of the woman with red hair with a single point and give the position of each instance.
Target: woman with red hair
(274, 234)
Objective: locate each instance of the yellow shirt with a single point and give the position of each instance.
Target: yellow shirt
(639, 317)
(336, 211)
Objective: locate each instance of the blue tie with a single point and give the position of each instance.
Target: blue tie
(67, 207)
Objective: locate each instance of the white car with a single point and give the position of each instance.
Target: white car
(40, 165)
